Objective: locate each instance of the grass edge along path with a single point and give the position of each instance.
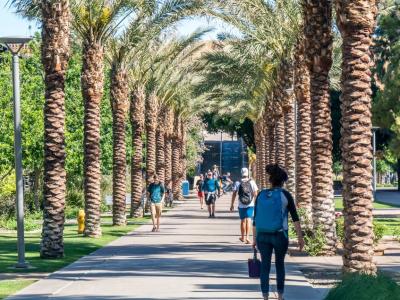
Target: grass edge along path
(75, 245)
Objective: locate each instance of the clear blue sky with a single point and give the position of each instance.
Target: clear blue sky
(12, 24)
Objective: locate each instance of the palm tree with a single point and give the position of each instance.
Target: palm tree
(168, 147)
(176, 159)
(119, 103)
(55, 55)
(318, 33)
(137, 109)
(95, 21)
(151, 113)
(356, 21)
(160, 143)
(55, 18)
(303, 145)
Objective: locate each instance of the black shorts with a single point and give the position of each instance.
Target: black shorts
(210, 198)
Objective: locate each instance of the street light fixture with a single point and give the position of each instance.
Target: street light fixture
(15, 45)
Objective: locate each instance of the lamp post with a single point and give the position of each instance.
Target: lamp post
(15, 45)
(374, 130)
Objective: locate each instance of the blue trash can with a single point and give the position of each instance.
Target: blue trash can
(185, 188)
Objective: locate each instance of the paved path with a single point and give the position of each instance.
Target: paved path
(191, 258)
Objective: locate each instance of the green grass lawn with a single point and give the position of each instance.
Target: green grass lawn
(9, 287)
(377, 205)
(76, 246)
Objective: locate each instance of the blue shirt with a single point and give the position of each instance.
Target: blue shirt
(210, 185)
(156, 192)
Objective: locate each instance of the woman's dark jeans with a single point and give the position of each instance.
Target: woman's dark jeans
(266, 243)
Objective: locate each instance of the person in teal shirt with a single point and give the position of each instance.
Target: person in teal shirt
(210, 189)
(155, 192)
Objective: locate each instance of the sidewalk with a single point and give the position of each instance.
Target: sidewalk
(193, 257)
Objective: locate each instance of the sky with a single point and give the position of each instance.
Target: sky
(11, 24)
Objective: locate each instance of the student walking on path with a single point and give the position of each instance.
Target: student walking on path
(199, 189)
(210, 188)
(270, 228)
(246, 190)
(155, 192)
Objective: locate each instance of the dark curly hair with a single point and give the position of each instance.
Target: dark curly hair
(277, 175)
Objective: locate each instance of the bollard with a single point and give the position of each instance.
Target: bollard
(81, 221)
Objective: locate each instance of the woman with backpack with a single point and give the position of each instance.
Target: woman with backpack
(247, 190)
(270, 228)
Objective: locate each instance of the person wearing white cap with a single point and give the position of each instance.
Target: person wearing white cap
(246, 190)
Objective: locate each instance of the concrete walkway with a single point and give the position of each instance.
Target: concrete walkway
(193, 257)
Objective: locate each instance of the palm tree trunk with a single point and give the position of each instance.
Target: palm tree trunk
(176, 156)
(271, 142)
(138, 128)
(280, 155)
(303, 145)
(92, 90)
(168, 148)
(160, 145)
(288, 107)
(290, 144)
(183, 150)
(319, 49)
(151, 127)
(356, 23)
(258, 152)
(267, 144)
(55, 56)
(119, 104)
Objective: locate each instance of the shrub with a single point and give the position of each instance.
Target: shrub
(314, 241)
(365, 287)
(314, 238)
(32, 221)
(379, 231)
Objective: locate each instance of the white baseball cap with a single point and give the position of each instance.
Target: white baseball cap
(245, 172)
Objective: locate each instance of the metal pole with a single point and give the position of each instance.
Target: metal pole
(374, 162)
(18, 164)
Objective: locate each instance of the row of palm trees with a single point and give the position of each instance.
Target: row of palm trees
(279, 76)
(146, 69)
(275, 71)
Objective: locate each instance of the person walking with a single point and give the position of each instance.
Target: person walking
(156, 193)
(199, 189)
(270, 228)
(210, 188)
(246, 190)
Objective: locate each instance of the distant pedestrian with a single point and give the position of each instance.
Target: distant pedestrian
(246, 190)
(199, 189)
(215, 172)
(155, 193)
(270, 228)
(210, 188)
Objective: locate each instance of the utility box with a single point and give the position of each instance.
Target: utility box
(185, 188)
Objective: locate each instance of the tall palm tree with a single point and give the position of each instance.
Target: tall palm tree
(137, 114)
(95, 21)
(55, 55)
(160, 143)
(55, 18)
(318, 33)
(356, 21)
(168, 147)
(119, 104)
(151, 113)
(176, 158)
(303, 145)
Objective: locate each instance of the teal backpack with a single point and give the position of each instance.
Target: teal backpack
(271, 212)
